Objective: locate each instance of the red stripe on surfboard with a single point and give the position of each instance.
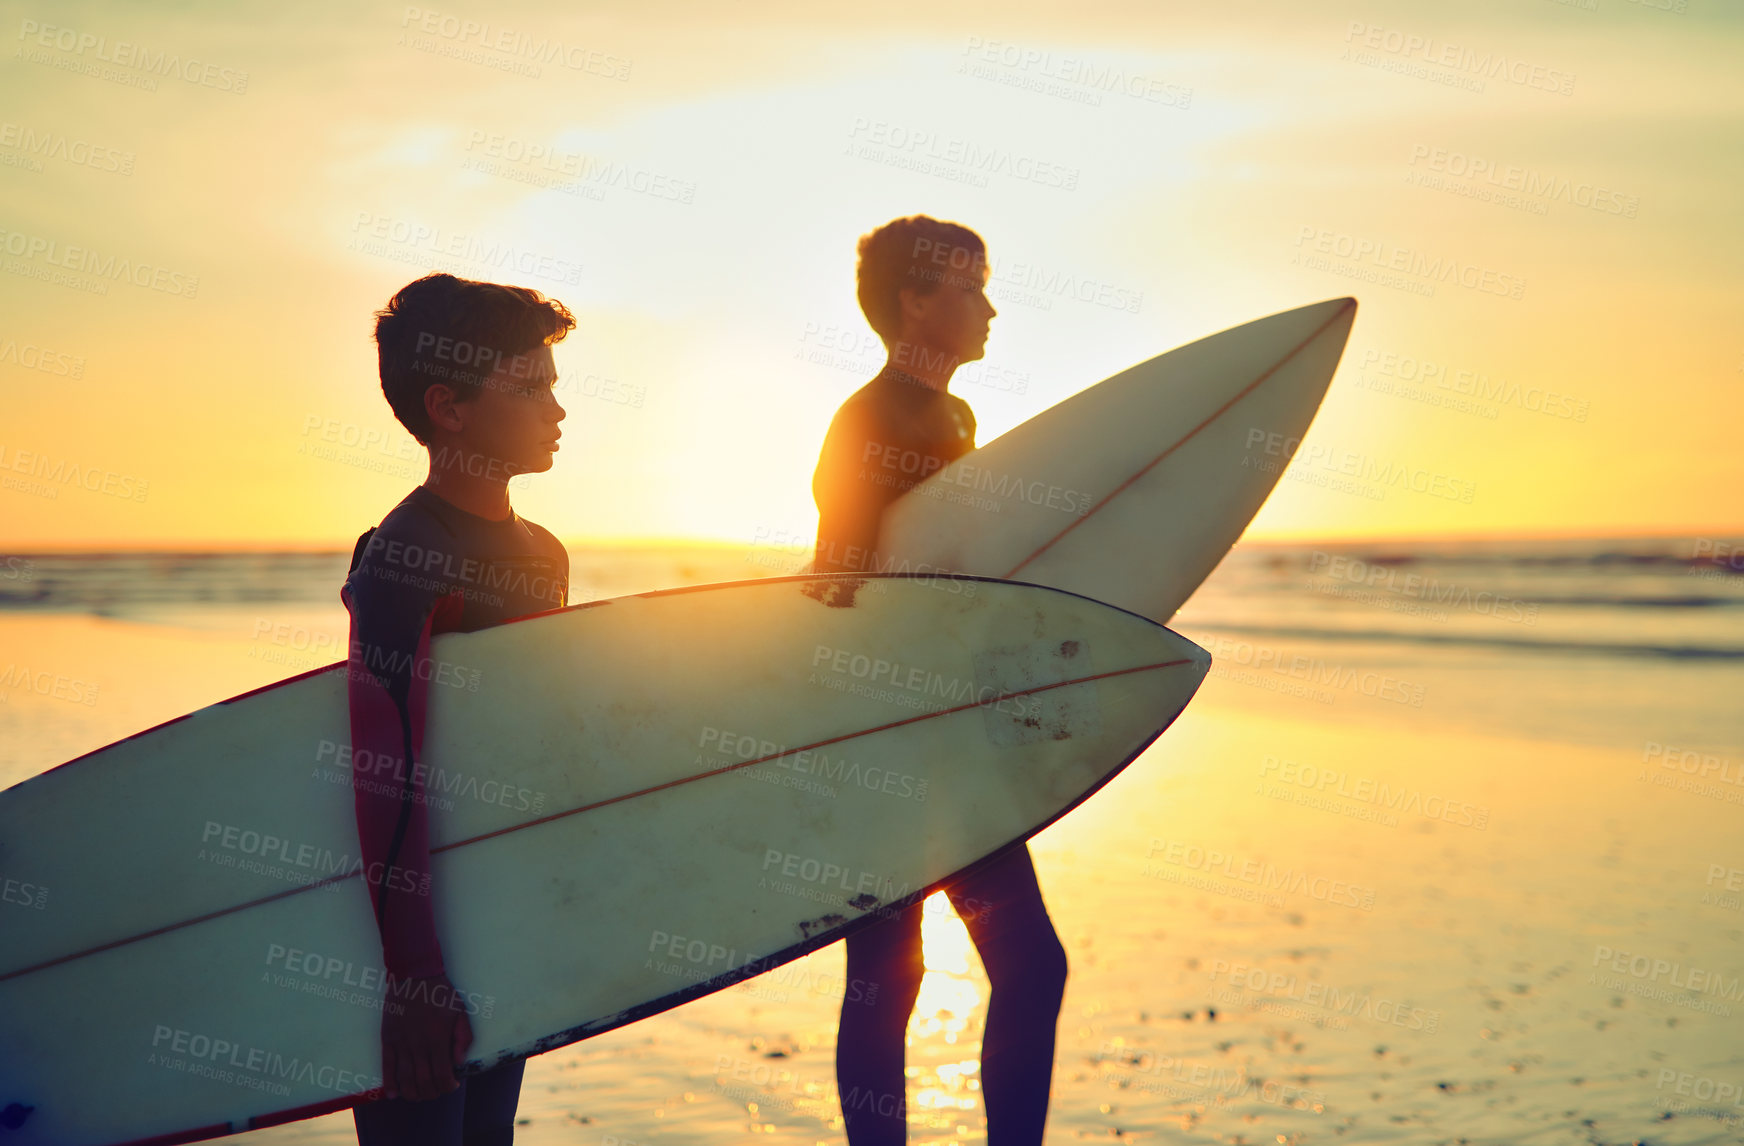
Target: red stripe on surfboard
(313, 1109)
(337, 879)
(1349, 305)
(805, 748)
(258, 1122)
(216, 1130)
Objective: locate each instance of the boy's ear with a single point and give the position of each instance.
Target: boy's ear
(439, 407)
(911, 302)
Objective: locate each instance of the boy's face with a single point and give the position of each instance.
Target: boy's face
(513, 420)
(954, 317)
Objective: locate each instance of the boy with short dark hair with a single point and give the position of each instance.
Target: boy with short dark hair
(922, 287)
(467, 368)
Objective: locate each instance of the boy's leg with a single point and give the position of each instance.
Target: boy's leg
(480, 1113)
(491, 1100)
(400, 1122)
(885, 959)
(1002, 907)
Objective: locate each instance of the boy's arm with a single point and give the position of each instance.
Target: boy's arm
(849, 497)
(391, 626)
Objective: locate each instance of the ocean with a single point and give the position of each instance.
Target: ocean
(1447, 848)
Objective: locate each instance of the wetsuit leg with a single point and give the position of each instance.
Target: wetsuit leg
(1002, 907)
(480, 1113)
(884, 961)
(491, 1100)
(401, 1122)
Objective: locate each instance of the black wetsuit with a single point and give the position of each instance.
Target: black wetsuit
(430, 567)
(890, 435)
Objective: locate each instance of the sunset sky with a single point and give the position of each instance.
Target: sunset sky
(691, 179)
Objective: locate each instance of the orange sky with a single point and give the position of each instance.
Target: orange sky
(696, 188)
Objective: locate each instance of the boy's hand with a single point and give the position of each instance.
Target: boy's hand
(424, 1036)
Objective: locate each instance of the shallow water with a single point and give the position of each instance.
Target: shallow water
(1375, 885)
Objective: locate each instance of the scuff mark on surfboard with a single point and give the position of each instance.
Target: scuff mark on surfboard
(1030, 717)
(863, 902)
(837, 593)
(810, 927)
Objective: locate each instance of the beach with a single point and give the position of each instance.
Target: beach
(1446, 849)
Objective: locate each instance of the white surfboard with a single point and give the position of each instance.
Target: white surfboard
(638, 801)
(1132, 491)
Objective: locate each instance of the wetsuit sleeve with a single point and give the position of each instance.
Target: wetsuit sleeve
(393, 618)
(850, 498)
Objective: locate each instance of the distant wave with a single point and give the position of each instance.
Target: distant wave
(112, 583)
(1731, 562)
(1640, 602)
(1401, 636)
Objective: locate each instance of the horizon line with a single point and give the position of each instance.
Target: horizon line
(679, 542)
